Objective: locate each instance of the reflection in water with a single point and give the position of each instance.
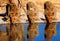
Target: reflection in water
(50, 31)
(8, 29)
(32, 31)
(17, 32)
(14, 32)
(3, 34)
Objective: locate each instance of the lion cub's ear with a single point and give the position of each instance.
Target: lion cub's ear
(30, 5)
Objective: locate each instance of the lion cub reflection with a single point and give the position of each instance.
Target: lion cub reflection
(32, 31)
(17, 32)
(50, 31)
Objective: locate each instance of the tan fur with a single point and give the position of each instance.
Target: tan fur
(50, 11)
(32, 12)
(14, 14)
(16, 2)
(3, 2)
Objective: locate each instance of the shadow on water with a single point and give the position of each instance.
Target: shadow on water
(30, 32)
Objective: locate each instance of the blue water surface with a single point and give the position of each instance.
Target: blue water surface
(41, 28)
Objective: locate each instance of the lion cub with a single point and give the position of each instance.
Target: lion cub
(49, 11)
(13, 14)
(31, 12)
